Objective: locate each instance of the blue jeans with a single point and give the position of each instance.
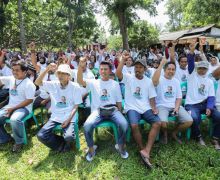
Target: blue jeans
(196, 111)
(134, 117)
(53, 141)
(16, 124)
(94, 119)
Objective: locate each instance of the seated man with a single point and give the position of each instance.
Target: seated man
(140, 103)
(105, 105)
(169, 99)
(21, 95)
(200, 98)
(65, 97)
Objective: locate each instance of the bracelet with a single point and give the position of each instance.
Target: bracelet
(33, 51)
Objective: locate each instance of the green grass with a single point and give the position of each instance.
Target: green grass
(172, 161)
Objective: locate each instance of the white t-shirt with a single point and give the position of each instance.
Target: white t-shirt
(150, 72)
(128, 70)
(199, 88)
(168, 90)
(181, 74)
(5, 71)
(137, 93)
(49, 77)
(74, 64)
(103, 92)
(62, 100)
(86, 75)
(25, 90)
(218, 94)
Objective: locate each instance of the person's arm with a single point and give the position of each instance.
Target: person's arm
(216, 73)
(191, 58)
(82, 64)
(73, 112)
(172, 52)
(119, 106)
(156, 76)
(33, 57)
(21, 105)
(122, 60)
(177, 105)
(39, 80)
(153, 105)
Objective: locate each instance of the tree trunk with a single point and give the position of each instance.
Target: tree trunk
(70, 31)
(22, 29)
(123, 29)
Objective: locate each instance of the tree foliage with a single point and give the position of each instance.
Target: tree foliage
(142, 34)
(189, 13)
(122, 13)
(46, 22)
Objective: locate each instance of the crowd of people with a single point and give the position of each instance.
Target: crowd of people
(123, 87)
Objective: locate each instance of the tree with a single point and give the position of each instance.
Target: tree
(185, 14)
(115, 42)
(21, 27)
(202, 12)
(124, 11)
(175, 14)
(142, 34)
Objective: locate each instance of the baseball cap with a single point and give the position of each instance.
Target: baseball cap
(202, 64)
(141, 61)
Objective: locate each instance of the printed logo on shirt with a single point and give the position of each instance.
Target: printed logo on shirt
(183, 78)
(169, 93)
(202, 90)
(14, 91)
(62, 103)
(105, 96)
(137, 94)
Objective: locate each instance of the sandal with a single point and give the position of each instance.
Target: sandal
(146, 161)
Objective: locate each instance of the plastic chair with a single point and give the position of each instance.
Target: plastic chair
(26, 118)
(58, 129)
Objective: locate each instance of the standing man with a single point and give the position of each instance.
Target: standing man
(140, 103)
(105, 105)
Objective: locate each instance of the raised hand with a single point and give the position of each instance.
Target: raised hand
(32, 45)
(51, 67)
(82, 62)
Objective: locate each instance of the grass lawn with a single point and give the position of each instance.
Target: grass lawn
(172, 161)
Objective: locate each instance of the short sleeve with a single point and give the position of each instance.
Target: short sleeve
(125, 78)
(6, 80)
(48, 85)
(31, 90)
(118, 93)
(152, 91)
(77, 95)
(178, 88)
(89, 84)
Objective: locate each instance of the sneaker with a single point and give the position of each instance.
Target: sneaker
(124, 154)
(17, 148)
(201, 141)
(216, 144)
(90, 156)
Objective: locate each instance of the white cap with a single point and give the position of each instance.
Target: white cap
(64, 68)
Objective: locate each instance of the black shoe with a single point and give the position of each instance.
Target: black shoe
(17, 148)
